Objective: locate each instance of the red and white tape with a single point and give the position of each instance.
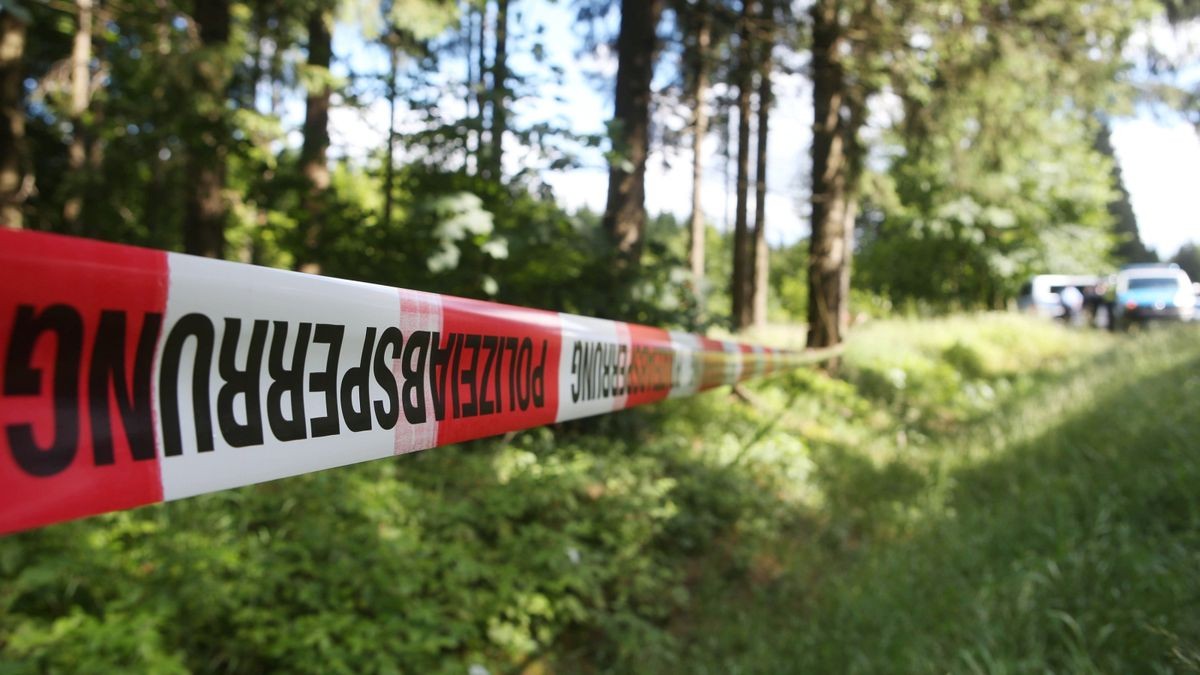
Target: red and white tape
(133, 376)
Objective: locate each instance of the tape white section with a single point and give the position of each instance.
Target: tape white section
(685, 376)
(418, 311)
(221, 290)
(590, 355)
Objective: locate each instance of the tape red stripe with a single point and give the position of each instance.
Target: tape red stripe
(81, 325)
(651, 363)
(502, 369)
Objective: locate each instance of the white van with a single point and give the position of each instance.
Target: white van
(1039, 295)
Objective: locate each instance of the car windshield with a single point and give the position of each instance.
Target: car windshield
(1154, 283)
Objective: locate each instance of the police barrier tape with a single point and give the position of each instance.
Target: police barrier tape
(133, 376)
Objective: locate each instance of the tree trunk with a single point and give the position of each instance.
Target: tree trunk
(761, 261)
(699, 130)
(16, 180)
(625, 212)
(81, 84)
(499, 94)
(743, 245)
(834, 179)
(313, 162)
(204, 220)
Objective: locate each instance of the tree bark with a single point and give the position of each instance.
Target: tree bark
(699, 131)
(838, 114)
(625, 212)
(205, 211)
(743, 245)
(761, 260)
(498, 94)
(314, 166)
(81, 84)
(16, 178)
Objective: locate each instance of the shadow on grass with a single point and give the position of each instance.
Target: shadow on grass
(1073, 551)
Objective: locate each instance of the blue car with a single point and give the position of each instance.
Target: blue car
(1146, 294)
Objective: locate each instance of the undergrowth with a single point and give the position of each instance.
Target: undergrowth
(1050, 524)
(976, 494)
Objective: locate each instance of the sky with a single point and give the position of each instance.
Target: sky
(1160, 163)
(1159, 153)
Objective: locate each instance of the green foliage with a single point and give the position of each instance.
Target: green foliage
(958, 499)
(993, 174)
(937, 378)
(1188, 258)
(490, 553)
(456, 233)
(934, 481)
(789, 282)
(409, 20)
(1064, 544)
(1055, 529)
(959, 225)
(473, 555)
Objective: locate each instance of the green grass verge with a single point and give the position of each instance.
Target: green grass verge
(977, 494)
(1054, 529)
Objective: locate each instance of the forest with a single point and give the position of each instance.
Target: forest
(920, 507)
(956, 148)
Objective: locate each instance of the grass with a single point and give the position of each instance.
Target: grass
(982, 494)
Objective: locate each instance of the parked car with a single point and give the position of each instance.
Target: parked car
(1040, 295)
(1152, 293)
